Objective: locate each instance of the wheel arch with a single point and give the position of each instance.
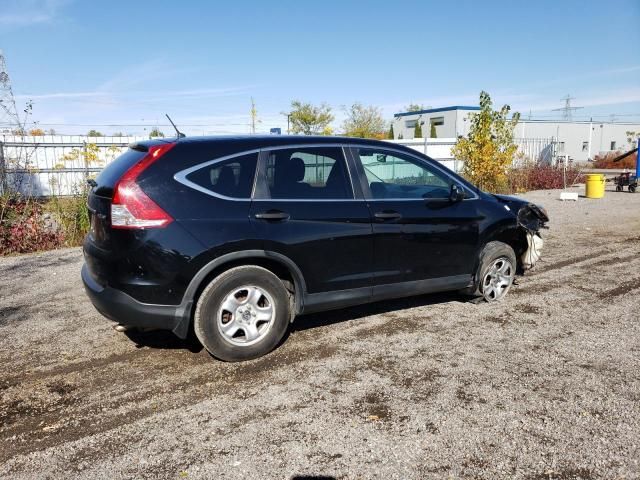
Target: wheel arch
(509, 233)
(280, 265)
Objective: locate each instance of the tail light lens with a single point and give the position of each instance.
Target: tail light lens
(131, 208)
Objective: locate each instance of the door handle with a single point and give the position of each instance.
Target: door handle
(387, 215)
(271, 215)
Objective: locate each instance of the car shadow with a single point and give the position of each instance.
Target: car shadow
(163, 339)
(166, 340)
(322, 319)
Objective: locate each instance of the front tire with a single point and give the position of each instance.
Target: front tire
(496, 271)
(242, 314)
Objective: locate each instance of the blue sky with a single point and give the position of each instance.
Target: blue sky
(94, 63)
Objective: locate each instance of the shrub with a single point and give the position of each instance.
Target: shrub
(606, 161)
(538, 177)
(489, 149)
(417, 131)
(23, 227)
(72, 215)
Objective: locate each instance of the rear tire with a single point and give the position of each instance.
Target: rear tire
(242, 314)
(496, 270)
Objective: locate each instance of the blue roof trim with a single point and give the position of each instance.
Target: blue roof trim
(434, 110)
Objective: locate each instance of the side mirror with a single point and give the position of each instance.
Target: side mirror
(456, 194)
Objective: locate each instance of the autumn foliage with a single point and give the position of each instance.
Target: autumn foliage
(541, 177)
(489, 149)
(606, 161)
(23, 228)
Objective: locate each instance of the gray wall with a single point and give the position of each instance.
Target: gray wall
(580, 140)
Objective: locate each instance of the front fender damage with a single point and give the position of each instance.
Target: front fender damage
(531, 219)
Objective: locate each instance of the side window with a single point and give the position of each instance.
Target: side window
(230, 178)
(307, 173)
(402, 177)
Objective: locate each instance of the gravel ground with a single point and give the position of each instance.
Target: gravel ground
(544, 385)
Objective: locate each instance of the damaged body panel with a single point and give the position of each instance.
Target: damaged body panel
(530, 219)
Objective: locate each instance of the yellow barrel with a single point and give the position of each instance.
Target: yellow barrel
(595, 185)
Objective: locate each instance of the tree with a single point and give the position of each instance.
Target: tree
(118, 134)
(417, 131)
(310, 119)
(390, 135)
(432, 132)
(156, 133)
(36, 132)
(489, 149)
(94, 133)
(414, 107)
(364, 122)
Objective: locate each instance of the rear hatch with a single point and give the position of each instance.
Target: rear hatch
(101, 195)
(110, 241)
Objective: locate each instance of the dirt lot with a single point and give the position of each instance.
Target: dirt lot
(545, 385)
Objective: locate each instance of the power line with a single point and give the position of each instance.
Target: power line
(136, 124)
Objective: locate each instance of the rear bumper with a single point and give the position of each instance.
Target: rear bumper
(121, 308)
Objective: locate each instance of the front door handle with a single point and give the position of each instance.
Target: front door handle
(387, 215)
(272, 215)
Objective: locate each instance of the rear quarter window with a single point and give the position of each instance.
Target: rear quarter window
(229, 178)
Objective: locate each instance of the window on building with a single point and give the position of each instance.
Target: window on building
(437, 121)
(410, 123)
(613, 146)
(585, 146)
(560, 147)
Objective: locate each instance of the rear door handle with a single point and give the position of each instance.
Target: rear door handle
(387, 215)
(272, 215)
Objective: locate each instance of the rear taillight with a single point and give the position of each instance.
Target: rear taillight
(131, 207)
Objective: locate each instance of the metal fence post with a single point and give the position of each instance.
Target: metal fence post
(638, 159)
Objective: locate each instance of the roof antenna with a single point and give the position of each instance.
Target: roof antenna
(180, 134)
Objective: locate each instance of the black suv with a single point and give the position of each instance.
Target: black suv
(236, 236)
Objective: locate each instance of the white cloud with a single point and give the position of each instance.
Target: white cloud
(20, 13)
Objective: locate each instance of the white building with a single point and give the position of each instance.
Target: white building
(580, 140)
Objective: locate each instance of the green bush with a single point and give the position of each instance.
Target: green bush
(72, 216)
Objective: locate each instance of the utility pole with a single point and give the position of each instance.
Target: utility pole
(567, 109)
(254, 116)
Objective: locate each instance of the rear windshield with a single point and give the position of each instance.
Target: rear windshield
(114, 170)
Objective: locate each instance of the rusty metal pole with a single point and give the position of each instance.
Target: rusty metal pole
(638, 159)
